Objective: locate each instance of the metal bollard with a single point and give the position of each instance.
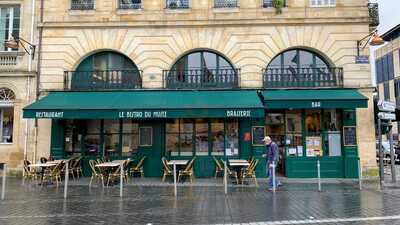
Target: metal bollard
(175, 188)
(225, 179)
(359, 174)
(3, 184)
(319, 174)
(121, 183)
(273, 177)
(66, 180)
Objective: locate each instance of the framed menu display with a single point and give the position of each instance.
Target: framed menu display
(313, 146)
(258, 134)
(349, 136)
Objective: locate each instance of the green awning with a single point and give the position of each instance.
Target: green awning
(322, 98)
(147, 105)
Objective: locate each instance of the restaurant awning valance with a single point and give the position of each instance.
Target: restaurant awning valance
(147, 105)
(322, 98)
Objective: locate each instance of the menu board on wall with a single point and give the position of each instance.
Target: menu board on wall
(349, 136)
(313, 146)
(258, 134)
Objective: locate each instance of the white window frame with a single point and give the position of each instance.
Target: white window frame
(322, 3)
(4, 106)
(11, 24)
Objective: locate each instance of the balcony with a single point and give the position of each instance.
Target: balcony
(306, 77)
(201, 79)
(82, 4)
(129, 4)
(102, 80)
(177, 4)
(10, 60)
(373, 10)
(226, 3)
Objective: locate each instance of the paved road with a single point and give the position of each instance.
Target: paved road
(300, 203)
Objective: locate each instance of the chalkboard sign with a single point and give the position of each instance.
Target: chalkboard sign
(145, 136)
(349, 136)
(258, 134)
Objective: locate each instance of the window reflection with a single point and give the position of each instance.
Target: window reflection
(201, 137)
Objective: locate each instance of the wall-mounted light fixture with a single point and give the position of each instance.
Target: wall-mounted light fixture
(373, 40)
(15, 41)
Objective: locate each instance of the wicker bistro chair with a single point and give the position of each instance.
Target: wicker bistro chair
(219, 169)
(232, 174)
(30, 173)
(250, 172)
(138, 168)
(188, 171)
(53, 174)
(76, 168)
(96, 174)
(167, 169)
(115, 175)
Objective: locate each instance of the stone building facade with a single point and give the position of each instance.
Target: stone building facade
(247, 33)
(17, 81)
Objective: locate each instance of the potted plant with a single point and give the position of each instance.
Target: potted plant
(278, 5)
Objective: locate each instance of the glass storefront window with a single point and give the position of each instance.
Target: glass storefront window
(7, 121)
(172, 137)
(73, 136)
(201, 137)
(111, 136)
(232, 138)
(313, 133)
(92, 137)
(217, 132)
(186, 137)
(111, 126)
(130, 137)
(333, 127)
(294, 137)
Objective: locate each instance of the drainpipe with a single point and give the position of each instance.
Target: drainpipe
(27, 123)
(38, 73)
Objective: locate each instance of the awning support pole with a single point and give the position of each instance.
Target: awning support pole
(319, 174)
(175, 188)
(121, 183)
(3, 184)
(66, 179)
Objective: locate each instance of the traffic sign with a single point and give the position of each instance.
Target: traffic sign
(386, 106)
(386, 116)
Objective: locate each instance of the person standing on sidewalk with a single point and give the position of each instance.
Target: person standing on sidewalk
(271, 154)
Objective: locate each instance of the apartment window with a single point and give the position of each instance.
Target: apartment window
(386, 91)
(130, 4)
(7, 98)
(82, 4)
(177, 4)
(269, 3)
(322, 3)
(225, 3)
(9, 24)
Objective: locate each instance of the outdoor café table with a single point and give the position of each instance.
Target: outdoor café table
(43, 166)
(178, 163)
(239, 164)
(107, 167)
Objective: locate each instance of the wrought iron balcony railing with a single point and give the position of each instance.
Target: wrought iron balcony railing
(102, 80)
(226, 3)
(130, 4)
(82, 4)
(177, 4)
(373, 9)
(307, 77)
(269, 3)
(201, 78)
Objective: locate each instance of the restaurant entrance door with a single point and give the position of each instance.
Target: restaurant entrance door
(275, 128)
(151, 139)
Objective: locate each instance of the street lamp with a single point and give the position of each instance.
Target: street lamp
(15, 41)
(373, 39)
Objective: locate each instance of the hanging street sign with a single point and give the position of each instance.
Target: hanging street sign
(386, 106)
(386, 116)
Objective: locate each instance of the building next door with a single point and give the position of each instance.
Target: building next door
(151, 137)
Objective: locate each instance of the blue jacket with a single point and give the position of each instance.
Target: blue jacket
(272, 152)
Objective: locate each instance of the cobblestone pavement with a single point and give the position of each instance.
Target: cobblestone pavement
(294, 203)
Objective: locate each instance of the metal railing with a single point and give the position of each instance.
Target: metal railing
(129, 4)
(373, 9)
(10, 60)
(226, 3)
(269, 3)
(82, 4)
(102, 80)
(177, 4)
(306, 77)
(201, 78)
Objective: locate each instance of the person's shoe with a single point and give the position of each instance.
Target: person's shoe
(280, 184)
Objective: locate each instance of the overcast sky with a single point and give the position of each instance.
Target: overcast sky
(389, 15)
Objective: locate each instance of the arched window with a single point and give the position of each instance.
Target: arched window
(301, 68)
(7, 98)
(105, 70)
(202, 69)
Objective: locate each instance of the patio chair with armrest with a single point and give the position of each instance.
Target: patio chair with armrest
(96, 174)
(53, 174)
(138, 168)
(188, 171)
(218, 167)
(231, 174)
(167, 169)
(250, 172)
(115, 175)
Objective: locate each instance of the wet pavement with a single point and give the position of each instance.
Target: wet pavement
(151, 202)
